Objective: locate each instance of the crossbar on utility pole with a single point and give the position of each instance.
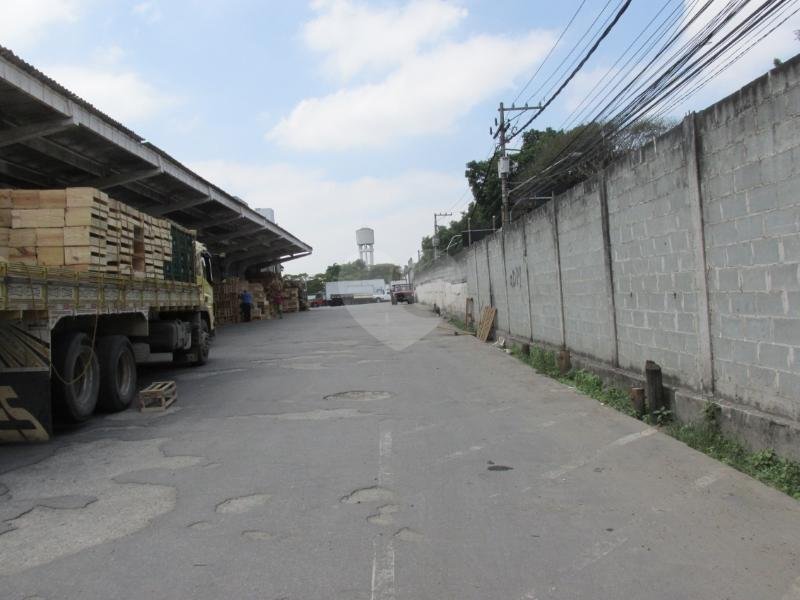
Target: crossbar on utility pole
(504, 162)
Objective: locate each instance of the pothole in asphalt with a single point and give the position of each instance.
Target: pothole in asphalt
(360, 395)
(370, 494)
(242, 504)
(384, 515)
(407, 534)
(499, 468)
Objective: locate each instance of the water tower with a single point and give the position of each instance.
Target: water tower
(365, 238)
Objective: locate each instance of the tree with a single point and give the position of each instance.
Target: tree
(549, 162)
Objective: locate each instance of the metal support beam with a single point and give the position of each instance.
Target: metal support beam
(163, 209)
(29, 176)
(123, 178)
(223, 237)
(28, 132)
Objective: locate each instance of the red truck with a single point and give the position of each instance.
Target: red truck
(402, 292)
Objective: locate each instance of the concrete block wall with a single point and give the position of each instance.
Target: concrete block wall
(519, 304)
(497, 277)
(750, 182)
(445, 285)
(543, 275)
(587, 306)
(652, 241)
(685, 252)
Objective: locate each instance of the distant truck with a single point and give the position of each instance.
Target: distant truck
(339, 293)
(402, 291)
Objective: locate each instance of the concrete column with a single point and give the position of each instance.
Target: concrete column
(554, 218)
(602, 185)
(694, 194)
(505, 278)
(527, 277)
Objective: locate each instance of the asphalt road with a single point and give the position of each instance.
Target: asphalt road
(370, 453)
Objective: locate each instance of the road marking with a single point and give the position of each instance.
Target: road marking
(383, 571)
(623, 441)
(707, 480)
(384, 452)
(383, 549)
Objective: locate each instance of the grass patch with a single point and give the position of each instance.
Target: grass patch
(456, 322)
(765, 465)
(590, 384)
(705, 436)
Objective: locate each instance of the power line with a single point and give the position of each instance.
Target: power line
(575, 71)
(552, 48)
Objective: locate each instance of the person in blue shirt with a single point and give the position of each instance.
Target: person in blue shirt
(246, 305)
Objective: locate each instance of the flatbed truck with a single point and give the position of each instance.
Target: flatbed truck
(70, 342)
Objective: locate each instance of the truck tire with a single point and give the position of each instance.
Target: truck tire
(394, 300)
(77, 380)
(203, 346)
(410, 300)
(117, 373)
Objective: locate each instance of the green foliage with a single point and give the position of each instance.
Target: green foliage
(765, 465)
(539, 151)
(459, 324)
(590, 384)
(661, 417)
(352, 271)
(705, 436)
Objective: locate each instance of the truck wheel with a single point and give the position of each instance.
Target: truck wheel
(117, 373)
(410, 301)
(203, 346)
(394, 300)
(77, 380)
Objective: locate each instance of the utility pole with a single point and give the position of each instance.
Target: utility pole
(436, 231)
(504, 162)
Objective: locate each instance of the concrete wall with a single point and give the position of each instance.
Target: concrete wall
(750, 182)
(685, 252)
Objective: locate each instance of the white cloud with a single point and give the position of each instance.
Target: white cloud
(427, 94)
(356, 36)
(123, 95)
(149, 11)
(23, 22)
(326, 213)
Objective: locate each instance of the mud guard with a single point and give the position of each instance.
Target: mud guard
(25, 407)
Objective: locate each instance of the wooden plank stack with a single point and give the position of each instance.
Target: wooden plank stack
(84, 230)
(226, 301)
(486, 323)
(291, 299)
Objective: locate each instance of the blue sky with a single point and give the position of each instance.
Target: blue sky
(336, 113)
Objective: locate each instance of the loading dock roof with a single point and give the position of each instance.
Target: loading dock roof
(52, 138)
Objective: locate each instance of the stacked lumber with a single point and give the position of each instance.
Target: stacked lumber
(84, 230)
(291, 299)
(226, 301)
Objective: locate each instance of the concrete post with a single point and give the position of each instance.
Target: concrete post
(554, 209)
(527, 274)
(505, 278)
(602, 185)
(694, 194)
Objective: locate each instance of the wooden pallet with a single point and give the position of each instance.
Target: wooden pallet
(487, 321)
(158, 396)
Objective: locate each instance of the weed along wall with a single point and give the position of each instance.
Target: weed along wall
(685, 252)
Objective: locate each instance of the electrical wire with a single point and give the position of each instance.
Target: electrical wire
(575, 71)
